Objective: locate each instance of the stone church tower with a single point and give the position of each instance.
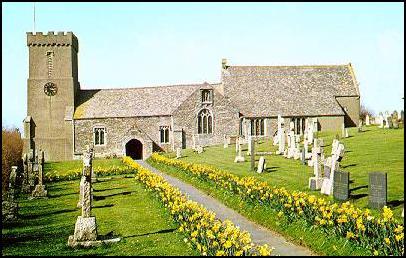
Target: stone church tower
(51, 89)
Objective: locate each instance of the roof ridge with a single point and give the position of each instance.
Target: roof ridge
(282, 66)
(155, 86)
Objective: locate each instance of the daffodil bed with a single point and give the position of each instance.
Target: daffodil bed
(379, 234)
(208, 234)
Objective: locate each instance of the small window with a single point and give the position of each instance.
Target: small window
(164, 133)
(206, 96)
(99, 135)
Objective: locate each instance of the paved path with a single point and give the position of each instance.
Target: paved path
(259, 234)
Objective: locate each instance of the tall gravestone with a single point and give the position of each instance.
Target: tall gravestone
(252, 153)
(30, 169)
(39, 191)
(85, 227)
(25, 184)
(377, 189)
(178, 153)
(341, 185)
(367, 122)
(9, 206)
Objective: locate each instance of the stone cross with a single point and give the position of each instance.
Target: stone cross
(261, 165)
(39, 191)
(281, 135)
(25, 181)
(85, 227)
(333, 162)
(367, 120)
(12, 182)
(237, 144)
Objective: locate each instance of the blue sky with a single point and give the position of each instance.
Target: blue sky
(146, 44)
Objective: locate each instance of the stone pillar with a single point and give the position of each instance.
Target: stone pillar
(25, 185)
(367, 120)
(31, 173)
(239, 157)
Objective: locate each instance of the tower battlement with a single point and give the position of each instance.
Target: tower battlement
(52, 39)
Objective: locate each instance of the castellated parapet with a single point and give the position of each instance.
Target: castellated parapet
(52, 39)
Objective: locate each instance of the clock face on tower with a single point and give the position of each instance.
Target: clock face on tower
(50, 88)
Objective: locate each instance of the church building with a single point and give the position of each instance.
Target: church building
(62, 118)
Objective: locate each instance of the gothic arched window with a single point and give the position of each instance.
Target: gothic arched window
(204, 122)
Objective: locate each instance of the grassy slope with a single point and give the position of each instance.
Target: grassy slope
(373, 150)
(122, 207)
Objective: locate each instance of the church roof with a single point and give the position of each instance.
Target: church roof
(289, 90)
(132, 102)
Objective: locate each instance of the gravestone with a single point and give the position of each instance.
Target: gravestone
(261, 165)
(9, 207)
(346, 133)
(341, 185)
(225, 141)
(252, 153)
(39, 191)
(239, 157)
(25, 185)
(316, 181)
(281, 136)
(178, 153)
(367, 120)
(30, 166)
(395, 123)
(377, 190)
(360, 126)
(402, 116)
(199, 149)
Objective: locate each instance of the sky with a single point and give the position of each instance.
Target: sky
(147, 44)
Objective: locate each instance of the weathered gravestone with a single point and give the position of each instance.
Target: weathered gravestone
(341, 185)
(25, 185)
(225, 141)
(377, 189)
(31, 173)
(239, 157)
(199, 149)
(261, 165)
(252, 153)
(178, 153)
(39, 191)
(9, 207)
(367, 122)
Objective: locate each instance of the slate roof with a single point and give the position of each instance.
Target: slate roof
(132, 102)
(289, 90)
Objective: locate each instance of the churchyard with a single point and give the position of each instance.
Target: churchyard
(139, 213)
(372, 150)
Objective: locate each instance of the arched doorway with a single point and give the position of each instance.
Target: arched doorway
(133, 149)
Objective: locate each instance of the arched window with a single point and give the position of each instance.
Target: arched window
(99, 135)
(204, 122)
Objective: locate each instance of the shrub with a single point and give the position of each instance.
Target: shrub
(11, 149)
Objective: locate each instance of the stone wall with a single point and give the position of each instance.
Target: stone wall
(351, 106)
(225, 118)
(119, 131)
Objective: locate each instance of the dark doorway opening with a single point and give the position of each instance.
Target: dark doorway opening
(133, 149)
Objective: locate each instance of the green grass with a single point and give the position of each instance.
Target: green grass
(297, 231)
(122, 208)
(66, 166)
(374, 149)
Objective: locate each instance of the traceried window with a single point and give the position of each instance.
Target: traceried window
(99, 134)
(164, 132)
(206, 96)
(258, 127)
(204, 122)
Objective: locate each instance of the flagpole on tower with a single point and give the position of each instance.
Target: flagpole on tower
(34, 18)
